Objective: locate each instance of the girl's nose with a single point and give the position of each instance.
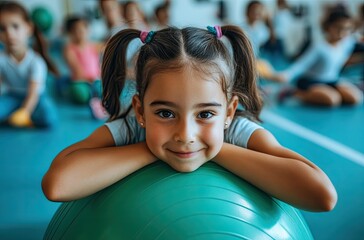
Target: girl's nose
(186, 132)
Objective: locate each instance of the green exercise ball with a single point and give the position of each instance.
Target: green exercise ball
(157, 202)
(42, 18)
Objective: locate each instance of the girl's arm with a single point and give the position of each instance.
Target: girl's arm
(280, 172)
(301, 65)
(269, 23)
(32, 97)
(22, 116)
(91, 165)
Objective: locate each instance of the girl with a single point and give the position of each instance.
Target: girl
(318, 71)
(110, 9)
(83, 60)
(188, 90)
(161, 15)
(23, 72)
(259, 29)
(134, 16)
(258, 25)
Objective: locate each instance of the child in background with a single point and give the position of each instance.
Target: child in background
(318, 70)
(23, 72)
(185, 114)
(161, 14)
(134, 16)
(259, 29)
(258, 25)
(113, 16)
(83, 59)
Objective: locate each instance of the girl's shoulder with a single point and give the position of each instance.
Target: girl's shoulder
(240, 130)
(35, 58)
(126, 130)
(244, 123)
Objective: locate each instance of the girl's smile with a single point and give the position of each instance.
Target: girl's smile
(185, 154)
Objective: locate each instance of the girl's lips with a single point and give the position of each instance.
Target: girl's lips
(185, 154)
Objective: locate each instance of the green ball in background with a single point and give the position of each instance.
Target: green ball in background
(157, 202)
(80, 92)
(42, 18)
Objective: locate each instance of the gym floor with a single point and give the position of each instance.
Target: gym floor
(331, 138)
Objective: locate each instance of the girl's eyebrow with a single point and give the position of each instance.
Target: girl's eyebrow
(172, 104)
(165, 103)
(209, 104)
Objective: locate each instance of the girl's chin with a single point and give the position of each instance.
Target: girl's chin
(185, 166)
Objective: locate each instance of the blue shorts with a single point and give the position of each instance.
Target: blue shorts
(306, 83)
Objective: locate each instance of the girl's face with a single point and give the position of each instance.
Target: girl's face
(111, 11)
(255, 13)
(184, 114)
(339, 30)
(14, 31)
(132, 13)
(79, 32)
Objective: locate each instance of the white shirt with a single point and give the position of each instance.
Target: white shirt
(323, 61)
(258, 34)
(17, 76)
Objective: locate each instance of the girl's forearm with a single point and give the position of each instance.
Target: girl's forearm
(288, 179)
(86, 171)
(32, 98)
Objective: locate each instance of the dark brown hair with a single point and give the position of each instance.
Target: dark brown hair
(334, 15)
(40, 43)
(72, 20)
(173, 48)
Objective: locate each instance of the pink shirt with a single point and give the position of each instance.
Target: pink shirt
(89, 60)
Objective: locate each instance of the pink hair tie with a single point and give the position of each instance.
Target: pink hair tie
(218, 31)
(146, 37)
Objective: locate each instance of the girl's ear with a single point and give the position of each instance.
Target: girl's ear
(138, 109)
(231, 108)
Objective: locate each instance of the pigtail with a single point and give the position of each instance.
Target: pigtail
(113, 70)
(41, 46)
(245, 77)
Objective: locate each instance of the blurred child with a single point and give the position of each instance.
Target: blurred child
(318, 70)
(114, 20)
(134, 16)
(258, 25)
(83, 59)
(161, 13)
(23, 72)
(259, 29)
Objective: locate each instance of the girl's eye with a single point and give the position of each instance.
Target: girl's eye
(165, 114)
(205, 115)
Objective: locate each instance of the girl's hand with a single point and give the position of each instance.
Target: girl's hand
(279, 78)
(20, 118)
